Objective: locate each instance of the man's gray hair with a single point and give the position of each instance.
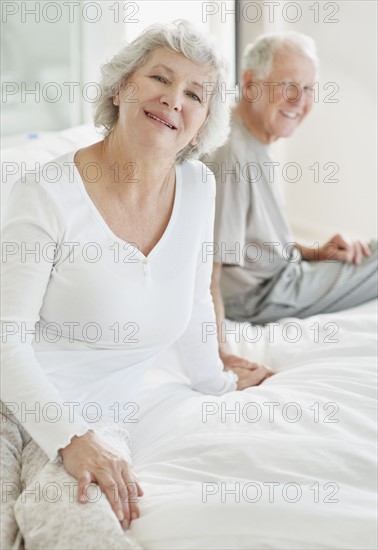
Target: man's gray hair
(259, 55)
(179, 36)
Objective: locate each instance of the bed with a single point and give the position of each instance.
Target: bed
(286, 465)
(290, 464)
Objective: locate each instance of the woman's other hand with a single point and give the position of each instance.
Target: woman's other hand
(89, 460)
(249, 374)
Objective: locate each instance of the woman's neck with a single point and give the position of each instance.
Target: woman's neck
(134, 172)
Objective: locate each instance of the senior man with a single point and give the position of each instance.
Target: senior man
(260, 274)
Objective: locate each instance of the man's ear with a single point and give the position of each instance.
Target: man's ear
(116, 99)
(249, 77)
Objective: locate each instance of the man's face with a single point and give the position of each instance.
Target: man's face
(286, 96)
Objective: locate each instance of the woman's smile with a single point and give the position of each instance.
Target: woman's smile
(160, 120)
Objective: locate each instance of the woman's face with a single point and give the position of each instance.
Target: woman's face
(165, 102)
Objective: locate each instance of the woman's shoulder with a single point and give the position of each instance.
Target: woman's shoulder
(197, 177)
(49, 175)
(42, 190)
(54, 178)
(197, 192)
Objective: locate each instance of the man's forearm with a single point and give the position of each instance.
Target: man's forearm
(308, 253)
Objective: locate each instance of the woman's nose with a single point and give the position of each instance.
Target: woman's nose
(173, 99)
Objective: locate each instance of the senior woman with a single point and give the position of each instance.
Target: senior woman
(115, 279)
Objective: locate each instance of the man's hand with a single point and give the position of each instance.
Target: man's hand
(89, 460)
(249, 374)
(337, 248)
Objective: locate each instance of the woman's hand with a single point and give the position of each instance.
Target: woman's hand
(89, 460)
(249, 374)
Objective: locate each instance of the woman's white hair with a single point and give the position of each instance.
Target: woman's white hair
(259, 55)
(179, 36)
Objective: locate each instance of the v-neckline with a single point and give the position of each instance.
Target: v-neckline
(100, 218)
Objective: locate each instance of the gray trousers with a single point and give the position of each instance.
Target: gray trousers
(39, 509)
(306, 288)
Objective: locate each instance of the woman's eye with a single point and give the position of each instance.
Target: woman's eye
(158, 78)
(194, 97)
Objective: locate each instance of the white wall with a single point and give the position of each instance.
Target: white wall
(343, 132)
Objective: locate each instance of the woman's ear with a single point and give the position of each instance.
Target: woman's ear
(194, 140)
(119, 88)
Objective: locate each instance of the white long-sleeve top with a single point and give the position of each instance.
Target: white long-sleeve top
(84, 312)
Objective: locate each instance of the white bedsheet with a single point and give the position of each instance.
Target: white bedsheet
(176, 452)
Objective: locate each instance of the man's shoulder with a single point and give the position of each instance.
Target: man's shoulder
(237, 149)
